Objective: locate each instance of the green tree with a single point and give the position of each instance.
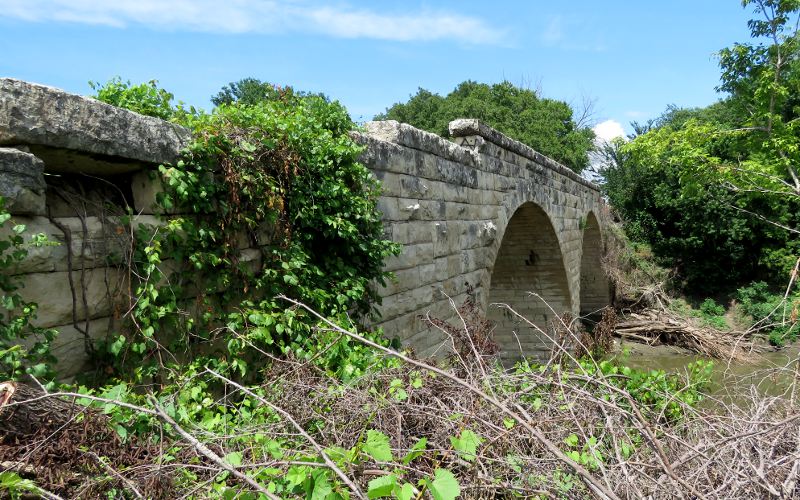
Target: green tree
(763, 80)
(715, 190)
(546, 125)
(252, 91)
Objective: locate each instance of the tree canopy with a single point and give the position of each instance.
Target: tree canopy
(252, 91)
(547, 125)
(715, 190)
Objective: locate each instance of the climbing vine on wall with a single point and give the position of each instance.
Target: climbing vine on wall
(24, 348)
(280, 177)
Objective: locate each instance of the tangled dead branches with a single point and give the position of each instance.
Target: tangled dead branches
(569, 430)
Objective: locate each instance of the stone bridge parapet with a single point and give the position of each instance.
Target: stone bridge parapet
(487, 215)
(481, 214)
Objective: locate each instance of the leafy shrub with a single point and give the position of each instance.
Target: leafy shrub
(146, 98)
(280, 176)
(709, 307)
(663, 396)
(768, 310)
(252, 91)
(713, 314)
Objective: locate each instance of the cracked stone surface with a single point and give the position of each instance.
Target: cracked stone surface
(72, 133)
(22, 182)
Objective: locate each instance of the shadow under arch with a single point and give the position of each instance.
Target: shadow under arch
(595, 289)
(529, 260)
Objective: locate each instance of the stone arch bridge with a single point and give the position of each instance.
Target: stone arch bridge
(485, 214)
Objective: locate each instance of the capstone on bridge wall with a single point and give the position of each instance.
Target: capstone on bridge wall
(64, 157)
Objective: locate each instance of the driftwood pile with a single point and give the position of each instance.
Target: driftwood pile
(662, 327)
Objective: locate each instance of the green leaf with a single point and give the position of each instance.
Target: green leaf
(121, 431)
(322, 487)
(116, 346)
(234, 458)
(405, 492)
(297, 474)
(416, 451)
(466, 444)
(377, 446)
(444, 485)
(382, 486)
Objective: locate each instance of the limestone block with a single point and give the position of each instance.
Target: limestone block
(146, 187)
(101, 288)
(401, 327)
(412, 232)
(436, 189)
(427, 274)
(455, 211)
(487, 233)
(405, 302)
(426, 166)
(69, 346)
(404, 279)
(411, 256)
(390, 182)
(95, 242)
(22, 182)
(409, 209)
(380, 155)
(51, 121)
(388, 206)
(456, 173)
(413, 187)
(406, 135)
(441, 245)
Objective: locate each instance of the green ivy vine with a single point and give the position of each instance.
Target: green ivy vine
(24, 348)
(273, 201)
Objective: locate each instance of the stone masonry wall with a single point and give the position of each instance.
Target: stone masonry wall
(450, 204)
(69, 164)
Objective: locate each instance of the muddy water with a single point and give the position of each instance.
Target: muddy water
(771, 374)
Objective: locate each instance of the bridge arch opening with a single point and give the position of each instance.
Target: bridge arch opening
(595, 291)
(529, 260)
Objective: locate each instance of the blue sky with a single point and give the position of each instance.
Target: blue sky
(631, 58)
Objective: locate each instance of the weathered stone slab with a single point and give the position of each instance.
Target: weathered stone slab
(56, 120)
(470, 128)
(406, 135)
(93, 242)
(69, 346)
(99, 287)
(22, 182)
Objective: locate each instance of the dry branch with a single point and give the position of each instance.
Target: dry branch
(657, 327)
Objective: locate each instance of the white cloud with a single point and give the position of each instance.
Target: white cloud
(604, 132)
(554, 31)
(608, 130)
(258, 16)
